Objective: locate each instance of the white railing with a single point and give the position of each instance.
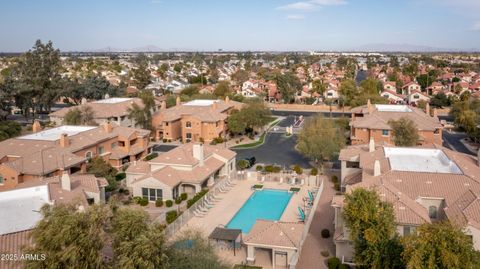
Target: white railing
(308, 222)
(189, 213)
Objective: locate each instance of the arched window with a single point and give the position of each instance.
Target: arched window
(188, 124)
(432, 212)
(88, 155)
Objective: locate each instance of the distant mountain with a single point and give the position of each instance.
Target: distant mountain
(383, 47)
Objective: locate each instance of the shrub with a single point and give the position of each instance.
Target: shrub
(334, 179)
(298, 169)
(325, 253)
(159, 203)
(126, 192)
(171, 216)
(325, 233)
(277, 169)
(137, 199)
(121, 190)
(314, 171)
(197, 197)
(333, 263)
(120, 176)
(268, 168)
(151, 156)
(259, 168)
(344, 266)
(178, 200)
(164, 140)
(183, 196)
(143, 201)
(336, 186)
(169, 203)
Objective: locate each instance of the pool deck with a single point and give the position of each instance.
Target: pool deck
(232, 201)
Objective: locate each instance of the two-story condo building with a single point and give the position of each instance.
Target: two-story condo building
(371, 121)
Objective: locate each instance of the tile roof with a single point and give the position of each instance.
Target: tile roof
(14, 243)
(275, 234)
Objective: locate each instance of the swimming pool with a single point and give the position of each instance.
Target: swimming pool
(266, 204)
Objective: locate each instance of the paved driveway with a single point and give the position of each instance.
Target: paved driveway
(452, 139)
(277, 149)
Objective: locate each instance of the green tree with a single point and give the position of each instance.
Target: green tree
(191, 250)
(83, 115)
(222, 89)
(321, 139)
(240, 76)
(100, 168)
(319, 87)
(252, 116)
(37, 74)
(439, 100)
(440, 245)
(9, 129)
(142, 115)
(288, 85)
(348, 91)
(404, 132)
(425, 80)
(141, 75)
(190, 90)
(371, 86)
(136, 242)
(372, 227)
(69, 238)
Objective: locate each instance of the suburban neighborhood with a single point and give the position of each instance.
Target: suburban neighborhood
(277, 149)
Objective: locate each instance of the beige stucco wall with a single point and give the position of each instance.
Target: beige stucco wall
(154, 184)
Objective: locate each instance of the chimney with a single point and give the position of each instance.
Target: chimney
(227, 99)
(371, 145)
(427, 109)
(435, 113)
(214, 105)
(164, 105)
(107, 127)
(376, 168)
(369, 106)
(64, 140)
(179, 101)
(36, 127)
(66, 181)
(198, 153)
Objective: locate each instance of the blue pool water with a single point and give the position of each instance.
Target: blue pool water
(264, 204)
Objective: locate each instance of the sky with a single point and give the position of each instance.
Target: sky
(273, 25)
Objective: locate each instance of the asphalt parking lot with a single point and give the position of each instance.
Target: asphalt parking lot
(277, 149)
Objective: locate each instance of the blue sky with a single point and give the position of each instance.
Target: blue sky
(238, 24)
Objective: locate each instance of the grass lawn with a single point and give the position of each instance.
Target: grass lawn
(260, 141)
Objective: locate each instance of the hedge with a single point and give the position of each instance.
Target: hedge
(151, 156)
(183, 196)
(169, 203)
(159, 203)
(143, 201)
(171, 216)
(178, 200)
(197, 197)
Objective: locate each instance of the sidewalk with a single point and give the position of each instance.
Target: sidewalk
(310, 257)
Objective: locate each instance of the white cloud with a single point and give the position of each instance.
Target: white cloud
(304, 6)
(328, 2)
(476, 26)
(295, 17)
(311, 5)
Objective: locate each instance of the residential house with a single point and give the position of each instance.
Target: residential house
(424, 185)
(371, 121)
(393, 97)
(410, 87)
(415, 96)
(197, 120)
(186, 169)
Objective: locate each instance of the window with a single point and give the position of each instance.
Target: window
(88, 155)
(408, 230)
(385, 132)
(101, 150)
(353, 164)
(121, 143)
(166, 123)
(114, 145)
(416, 96)
(188, 135)
(2, 179)
(432, 212)
(152, 194)
(188, 124)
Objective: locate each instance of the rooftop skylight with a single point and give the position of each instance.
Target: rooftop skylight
(421, 160)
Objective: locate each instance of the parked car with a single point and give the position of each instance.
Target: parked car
(251, 161)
